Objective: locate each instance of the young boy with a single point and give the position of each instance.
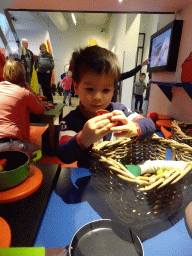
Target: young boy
(95, 74)
(66, 83)
(138, 89)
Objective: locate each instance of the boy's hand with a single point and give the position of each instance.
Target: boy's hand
(95, 129)
(123, 127)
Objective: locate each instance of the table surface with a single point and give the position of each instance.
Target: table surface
(52, 215)
(54, 111)
(47, 114)
(71, 207)
(24, 216)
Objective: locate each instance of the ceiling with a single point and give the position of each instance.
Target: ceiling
(62, 20)
(99, 5)
(60, 11)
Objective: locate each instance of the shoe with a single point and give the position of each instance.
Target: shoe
(54, 103)
(71, 105)
(140, 111)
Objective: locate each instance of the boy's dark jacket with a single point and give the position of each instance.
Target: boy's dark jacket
(69, 150)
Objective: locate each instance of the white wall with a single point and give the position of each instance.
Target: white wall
(148, 25)
(165, 19)
(130, 48)
(114, 27)
(35, 38)
(181, 106)
(120, 38)
(63, 45)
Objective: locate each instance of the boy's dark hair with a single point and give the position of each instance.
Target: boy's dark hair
(94, 59)
(142, 74)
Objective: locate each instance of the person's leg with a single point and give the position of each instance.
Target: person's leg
(28, 77)
(141, 103)
(24, 146)
(188, 218)
(136, 101)
(65, 96)
(47, 85)
(18, 145)
(40, 90)
(39, 76)
(69, 95)
(145, 104)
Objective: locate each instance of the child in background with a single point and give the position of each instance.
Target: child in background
(138, 89)
(66, 83)
(95, 74)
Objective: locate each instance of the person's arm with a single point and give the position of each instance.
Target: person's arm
(130, 73)
(35, 104)
(72, 145)
(32, 58)
(124, 127)
(62, 82)
(52, 62)
(134, 71)
(145, 126)
(36, 64)
(134, 85)
(139, 126)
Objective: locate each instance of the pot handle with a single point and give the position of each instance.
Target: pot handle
(37, 155)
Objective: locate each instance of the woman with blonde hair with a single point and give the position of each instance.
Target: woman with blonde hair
(44, 65)
(17, 101)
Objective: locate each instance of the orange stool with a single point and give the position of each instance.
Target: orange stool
(5, 233)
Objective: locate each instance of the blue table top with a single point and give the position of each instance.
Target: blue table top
(63, 218)
(69, 209)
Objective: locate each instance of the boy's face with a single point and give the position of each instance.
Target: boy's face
(69, 74)
(95, 91)
(142, 78)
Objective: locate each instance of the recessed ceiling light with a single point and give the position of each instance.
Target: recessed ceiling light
(120, 1)
(73, 17)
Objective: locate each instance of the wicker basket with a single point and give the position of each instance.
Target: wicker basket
(182, 134)
(139, 199)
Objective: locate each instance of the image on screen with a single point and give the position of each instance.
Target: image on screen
(160, 49)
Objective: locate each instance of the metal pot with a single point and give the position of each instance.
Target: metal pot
(105, 237)
(17, 168)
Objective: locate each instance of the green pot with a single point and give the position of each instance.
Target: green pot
(17, 168)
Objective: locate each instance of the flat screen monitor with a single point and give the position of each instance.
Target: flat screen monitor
(164, 47)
